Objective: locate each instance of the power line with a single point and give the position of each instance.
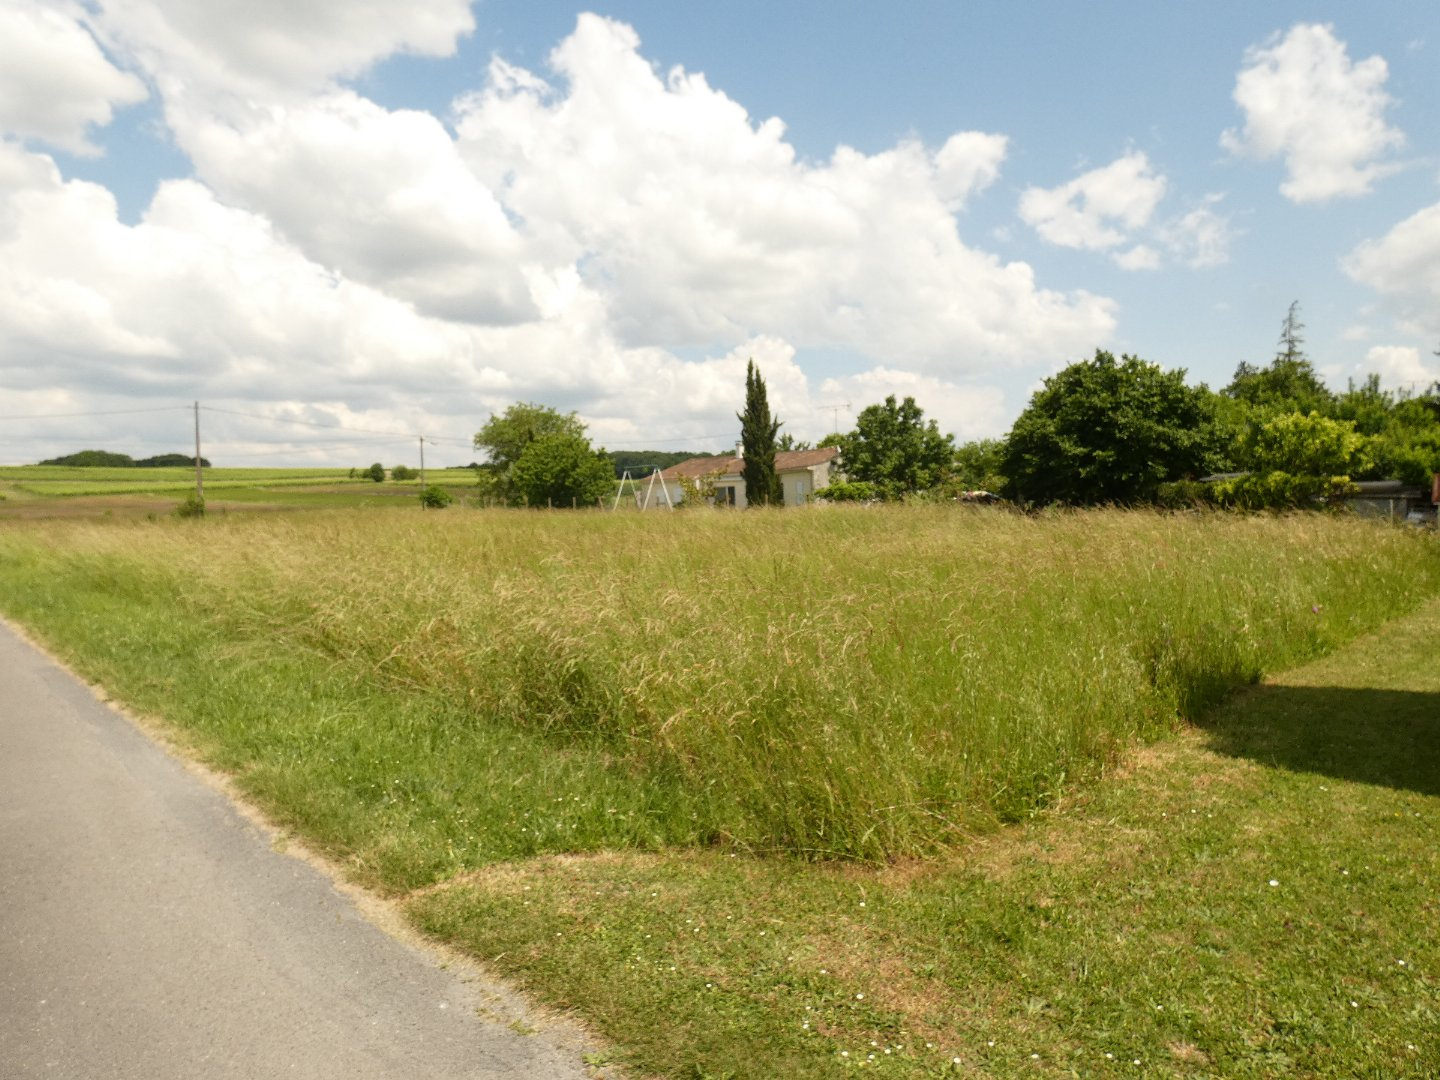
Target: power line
(309, 423)
(339, 427)
(110, 412)
(302, 448)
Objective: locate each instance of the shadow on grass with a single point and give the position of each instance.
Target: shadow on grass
(1384, 737)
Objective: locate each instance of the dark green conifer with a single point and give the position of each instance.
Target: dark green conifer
(757, 439)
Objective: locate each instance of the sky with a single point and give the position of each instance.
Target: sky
(341, 225)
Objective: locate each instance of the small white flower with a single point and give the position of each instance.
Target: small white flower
(1354, 1004)
(1273, 883)
(859, 997)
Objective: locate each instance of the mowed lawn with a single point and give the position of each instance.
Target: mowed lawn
(928, 792)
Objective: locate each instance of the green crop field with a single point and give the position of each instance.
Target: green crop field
(917, 790)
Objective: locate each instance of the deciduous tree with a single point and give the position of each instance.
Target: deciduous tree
(505, 437)
(894, 448)
(562, 470)
(1107, 431)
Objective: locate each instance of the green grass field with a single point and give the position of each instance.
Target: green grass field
(69, 491)
(753, 792)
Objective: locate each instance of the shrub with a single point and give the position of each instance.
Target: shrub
(848, 491)
(435, 498)
(376, 472)
(1278, 490)
(403, 472)
(192, 506)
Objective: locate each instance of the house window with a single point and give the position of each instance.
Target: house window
(725, 496)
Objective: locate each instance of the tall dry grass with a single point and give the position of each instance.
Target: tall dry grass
(862, 682)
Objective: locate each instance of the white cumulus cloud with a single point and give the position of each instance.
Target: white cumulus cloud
(1404, 265)
(1306, 101)
(604, 237)
(1200, 237)
(698, 225)
(1100, 209)
(55, 83)
(252, 49)
(378, 194)
(1401, 366)
(967, 411)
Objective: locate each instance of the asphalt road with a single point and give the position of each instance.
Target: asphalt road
(149, 930)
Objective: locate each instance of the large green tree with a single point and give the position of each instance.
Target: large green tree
(757, 440)
(505, 437)
(562, 470)
(1108, 431)
(896, 449)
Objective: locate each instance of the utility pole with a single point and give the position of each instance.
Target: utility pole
(422, 472)
(199, 476)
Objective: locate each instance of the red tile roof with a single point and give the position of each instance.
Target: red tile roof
(785, 461)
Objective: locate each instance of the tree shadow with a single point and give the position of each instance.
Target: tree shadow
(1389, 738)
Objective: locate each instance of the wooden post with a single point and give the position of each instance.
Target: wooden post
(199, 476)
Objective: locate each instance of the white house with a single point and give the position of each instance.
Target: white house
(801, 472)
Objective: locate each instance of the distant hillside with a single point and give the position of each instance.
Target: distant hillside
(643, 462)
(106, 459)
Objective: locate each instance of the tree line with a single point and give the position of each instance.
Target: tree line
(109, 459)
(1128, 432)
(1101, 431)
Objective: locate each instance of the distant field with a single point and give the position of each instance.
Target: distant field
(293, 487)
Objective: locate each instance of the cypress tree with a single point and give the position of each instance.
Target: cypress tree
(757, 439)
